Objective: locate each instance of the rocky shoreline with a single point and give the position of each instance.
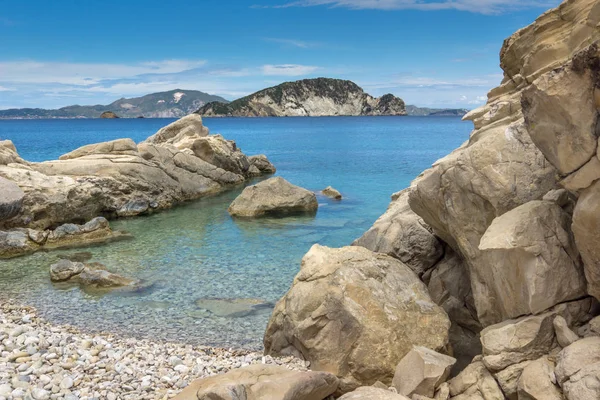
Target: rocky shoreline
(40, 361)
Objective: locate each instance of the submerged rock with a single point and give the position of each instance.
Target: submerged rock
(273, 197)
(262, 382)
(233, 308)
(331, 192)
(94, 275)
(356, 314)
(18, 242)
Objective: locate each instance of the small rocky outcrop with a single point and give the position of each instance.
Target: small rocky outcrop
(21, 241)
(273, 197)
(307, 98)
(402, 234)
(356, 314)
(331, 192)
(421, 372)
(262, 382)
(92, 275)
(119, 178)
(108, 115)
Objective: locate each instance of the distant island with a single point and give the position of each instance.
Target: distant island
(308, 97)
(172, 104)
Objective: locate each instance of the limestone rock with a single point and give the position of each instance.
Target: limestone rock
(564, 335)
(372, 393)
(421, 371)
(521, 249)
(584, 384)
(119, 146)
(356, 314)
(508, 379)
(331, 192)
(273, 197)
(92, 275)
(11, 199)
(538, 382)
(119, 178)
(190, 125)
(475, 383)
(578, 355)
(261, 162)
(526, 338)
(560, 114)
(16, 243)
(586, 228)
(65, 270)
(402, 234)
(262, 382)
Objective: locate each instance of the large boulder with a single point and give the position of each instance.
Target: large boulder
(11, 199)
(538, 382)
(356, 314)
(575, 357)
(262, 382)
(421, 372)
(475, 383)
(273, 197)
(529, 337)
(119, 146)
(584, 384)
(522, 249)
(402, 234)
(586, 228)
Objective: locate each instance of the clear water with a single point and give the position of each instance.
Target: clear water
(196, 251)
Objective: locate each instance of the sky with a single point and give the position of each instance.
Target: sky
(432, 53)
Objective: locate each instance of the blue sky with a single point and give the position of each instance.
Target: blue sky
(437, 53)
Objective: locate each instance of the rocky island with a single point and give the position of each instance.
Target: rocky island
(480, 282)
(307, 98)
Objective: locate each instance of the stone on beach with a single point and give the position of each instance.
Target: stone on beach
(90, 275)
(262, 382)
(273, 197)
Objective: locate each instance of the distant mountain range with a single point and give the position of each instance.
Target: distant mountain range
(321, 96)
(172, 104)
(317, 97)
(440, 112)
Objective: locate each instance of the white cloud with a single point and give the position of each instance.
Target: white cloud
(293, 42)
(87, 73)
(476, 6)
(288, 70)
(5, 89)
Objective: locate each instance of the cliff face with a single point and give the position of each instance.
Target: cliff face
(308, 98)
(515, 217)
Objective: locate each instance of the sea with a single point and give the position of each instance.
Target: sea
(209, 279)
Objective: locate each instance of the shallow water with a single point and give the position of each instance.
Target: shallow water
(198, 252)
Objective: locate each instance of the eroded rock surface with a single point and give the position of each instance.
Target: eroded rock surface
(356, 314)
(119, 178)
(262, 382)
(273, 197)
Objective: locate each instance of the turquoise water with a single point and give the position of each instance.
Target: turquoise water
(197, 252)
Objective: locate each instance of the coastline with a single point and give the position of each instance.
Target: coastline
(48, 361)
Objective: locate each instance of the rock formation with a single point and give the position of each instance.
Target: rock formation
(120, 178)
(504, 231)
(355, 313)
(307, 98)
(331, 192)
(273, 197)
(93, 275)
(21, 241)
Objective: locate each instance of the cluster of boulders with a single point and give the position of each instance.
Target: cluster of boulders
(121, 178)
(481, 280)
(21, 241)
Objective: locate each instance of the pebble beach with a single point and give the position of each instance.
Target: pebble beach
(41, 361)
